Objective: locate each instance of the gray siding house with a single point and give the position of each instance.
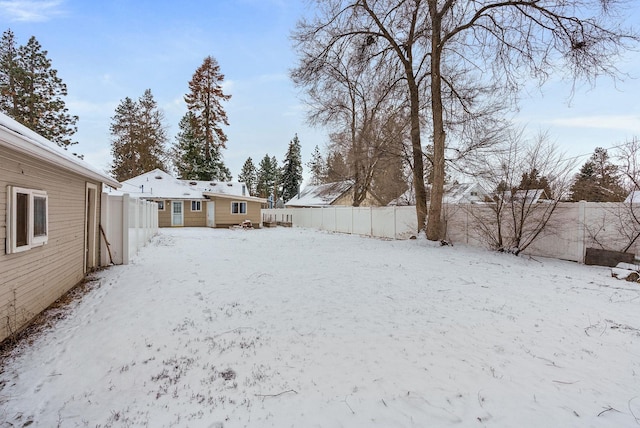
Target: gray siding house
(49, 223)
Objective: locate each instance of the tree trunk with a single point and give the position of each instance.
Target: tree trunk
(416, 148)
(434, 224)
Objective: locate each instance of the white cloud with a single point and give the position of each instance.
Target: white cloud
(31, 10)
(617, 122)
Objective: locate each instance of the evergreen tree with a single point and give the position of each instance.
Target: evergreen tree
(188, 155)
(292, 170)
(204, 102)
(267, 177)
(9, 74)
(317, 167)
(532, 181)
(124, 132)
(598, 180)
(337, 169)
(187, 152)
(152, 133)
(138, 137)
(249, 176)
(31, 91)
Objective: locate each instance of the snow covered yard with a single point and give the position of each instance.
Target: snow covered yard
(290, 327)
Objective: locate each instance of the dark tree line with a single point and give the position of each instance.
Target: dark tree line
(268, 180)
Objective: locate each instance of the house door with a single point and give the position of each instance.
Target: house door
(211, 214)
(91, 228)
(176, 213)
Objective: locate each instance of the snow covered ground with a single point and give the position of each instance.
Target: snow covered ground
(291, 327)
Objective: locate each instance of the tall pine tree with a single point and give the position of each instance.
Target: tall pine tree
(124, 133)
(187, 152)
(317, 168)
(153, 133)
(337, 168)
(598, 180)
(292, 170)
(31, 91)
(204, 101)
(268, 177)
(9, 75)
(138, 137)
(249, 176)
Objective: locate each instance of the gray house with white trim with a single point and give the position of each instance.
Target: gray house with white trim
(49, 223)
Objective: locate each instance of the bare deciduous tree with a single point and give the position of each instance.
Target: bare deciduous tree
(518, 212)
(628, 156)
(459, 58)
(362, 105)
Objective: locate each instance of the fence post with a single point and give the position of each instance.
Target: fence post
(351, 231)
(371, 221)
(395, 228)
(106, 227)
(125, 229)
(582, 221)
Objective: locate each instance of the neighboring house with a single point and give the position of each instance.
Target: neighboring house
(464, 193)
(339, 193)
(192, 203)
(49, 223)
(456, 193)
(530, 196)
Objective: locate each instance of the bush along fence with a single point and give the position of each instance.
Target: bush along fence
(566, 233)
(127, 225)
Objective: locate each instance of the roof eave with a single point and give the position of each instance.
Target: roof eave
(237, 197)
(19, 143)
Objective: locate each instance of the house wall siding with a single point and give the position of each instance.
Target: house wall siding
(164, 216)
(190, 218)
(195, 218)
(224, 217)
(30, 281)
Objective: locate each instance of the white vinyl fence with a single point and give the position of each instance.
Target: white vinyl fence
(127, 225)
(572, 228)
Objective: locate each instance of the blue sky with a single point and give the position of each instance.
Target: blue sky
(108, 50)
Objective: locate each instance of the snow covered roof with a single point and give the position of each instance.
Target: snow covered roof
(634, 197)
(22, 139)
(530, 195)
(159, 184)
(321, 195)
(463, 192)
(454, 193)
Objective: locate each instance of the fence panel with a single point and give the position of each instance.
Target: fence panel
(361, 221)
(383, 222)
(572, 228)
(128, 224)
(328, 219)
(344, 219)
(406, 222)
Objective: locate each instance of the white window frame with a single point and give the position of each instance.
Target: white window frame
(239, 206)
(161, 205)
(33, 241)
(197, 205)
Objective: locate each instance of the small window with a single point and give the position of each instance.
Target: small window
(160, 205)
(196, 206)
(27, 219)
(238, 207)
